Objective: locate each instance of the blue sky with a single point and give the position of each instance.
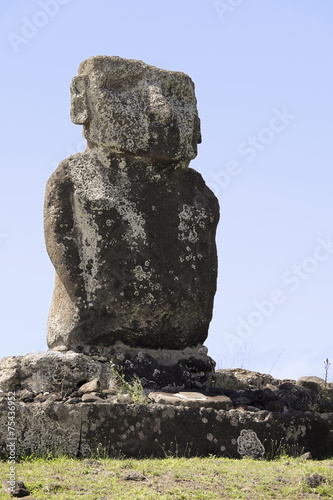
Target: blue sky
(264, 80)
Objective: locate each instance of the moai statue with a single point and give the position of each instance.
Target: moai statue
(129, 227)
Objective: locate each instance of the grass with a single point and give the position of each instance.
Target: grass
(171, 478)
(134, 387)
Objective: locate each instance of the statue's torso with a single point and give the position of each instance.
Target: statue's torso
(145, 238)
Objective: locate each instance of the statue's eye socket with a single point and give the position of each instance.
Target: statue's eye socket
(115, 83)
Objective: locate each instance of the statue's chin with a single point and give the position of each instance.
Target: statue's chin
(155, 152)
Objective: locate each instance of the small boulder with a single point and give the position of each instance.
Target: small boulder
(91, 398)
(54, 397)
(15, 488)
(297, 398)
(314, 480)
(192, 400)
(92, 386)
(286, 386)
(40, 398)
(73, 401)
(254, 409)
(25, 395)
(313, 383)
(238, 378)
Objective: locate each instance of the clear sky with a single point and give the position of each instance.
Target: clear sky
(264, 83)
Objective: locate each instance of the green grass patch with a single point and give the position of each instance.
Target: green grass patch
(171, 478)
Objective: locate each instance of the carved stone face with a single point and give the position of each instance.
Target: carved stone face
(131, 107)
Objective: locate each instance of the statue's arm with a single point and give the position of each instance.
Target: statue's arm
(59, 230)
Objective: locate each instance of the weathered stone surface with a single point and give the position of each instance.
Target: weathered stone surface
(65, 376)
(139, 430)
(51, 371)
(285, 397)
(59, 372)
(299, 398)
(238, 378)
(129, 227)
(249, 445)
(166, 369)
(192, 400)
(131, 107)
(246, 396)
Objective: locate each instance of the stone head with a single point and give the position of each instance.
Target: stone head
(130, 107)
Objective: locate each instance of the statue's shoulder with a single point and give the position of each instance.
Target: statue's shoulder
(67, 169)
(61, 179)
(67, 165)
(202, 191)
(62, 171)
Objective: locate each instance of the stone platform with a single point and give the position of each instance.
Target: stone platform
(115, 429)
(252, 414)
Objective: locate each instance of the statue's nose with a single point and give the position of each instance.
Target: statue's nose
(159, 108)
